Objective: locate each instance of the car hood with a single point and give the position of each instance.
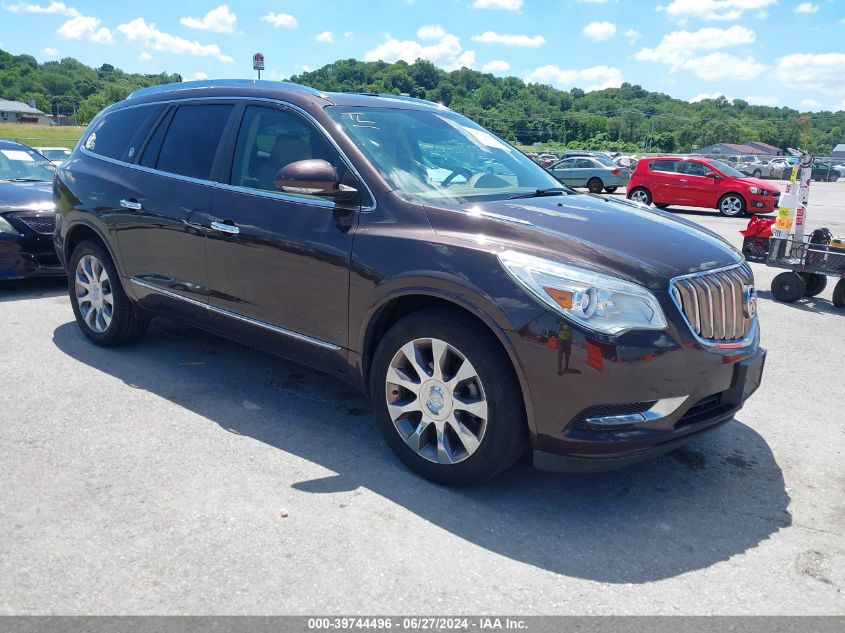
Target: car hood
(21, 196)
(603, 233)
(757, 182)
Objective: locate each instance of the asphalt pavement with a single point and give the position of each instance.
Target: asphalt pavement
(190, 475)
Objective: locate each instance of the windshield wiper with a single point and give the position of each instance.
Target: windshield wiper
(541, 193)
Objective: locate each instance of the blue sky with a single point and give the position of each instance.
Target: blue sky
(771, 52)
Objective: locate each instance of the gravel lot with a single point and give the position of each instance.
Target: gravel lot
(153, 479)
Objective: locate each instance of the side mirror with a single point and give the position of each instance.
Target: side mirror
(314, 177)
(711, 174)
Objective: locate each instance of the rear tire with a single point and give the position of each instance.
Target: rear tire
(788, 287)
(640, 194)
(814, 283)
(839, 294)
(429, 429)
(757, 173)
(662, 207)
(610, 189)
(103, 311)
(595, 185)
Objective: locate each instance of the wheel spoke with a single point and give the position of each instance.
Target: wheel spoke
(397, 377)
(477, 408)
(439, 351)
(443, 454)
(414, 440)
(467, 437)
(412, 354)
(465, 371)
(399, 410)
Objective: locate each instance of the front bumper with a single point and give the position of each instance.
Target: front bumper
(578, 382)
(29, 253)
(762, 204)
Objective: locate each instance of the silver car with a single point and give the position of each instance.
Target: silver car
(593, 172)
(756, 168)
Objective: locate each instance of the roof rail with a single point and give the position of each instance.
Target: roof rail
(402, 97)
(223, 83)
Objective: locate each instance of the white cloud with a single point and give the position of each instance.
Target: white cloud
(507, 5)
(721, 66)
(50, 52)
(595, 78)
(219, 20)
(281, 20)
(679, 50)
(496, 66)
(599, 31)
(446, 52)
(809, 105)
(807, 7)
(701, 96)
(592, 1)
(325, 36)
(822, 72)
(633, 35)
(683, 10)
(84, 27)
(762, 101)
(138, 30)
(199, 76)
(491, 37)
(144, 56)
(54, 7)
(429, 32)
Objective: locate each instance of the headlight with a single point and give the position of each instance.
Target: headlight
(598, 302)
(5, 227)
(758, 191)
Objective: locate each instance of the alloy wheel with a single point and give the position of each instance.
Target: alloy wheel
(639, 196)
(436, 401)
(731, 205)
(93, 293)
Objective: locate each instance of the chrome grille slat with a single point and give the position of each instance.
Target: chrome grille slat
(712, 303)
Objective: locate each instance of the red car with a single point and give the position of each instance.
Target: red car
(700, 182)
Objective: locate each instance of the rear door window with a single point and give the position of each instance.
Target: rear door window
(670, 166)
(119, 134)
(190, 144)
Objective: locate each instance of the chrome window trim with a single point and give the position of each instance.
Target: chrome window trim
(240, 317)
(226, 186)
(738, 344)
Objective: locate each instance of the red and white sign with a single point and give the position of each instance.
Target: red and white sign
(258, 61)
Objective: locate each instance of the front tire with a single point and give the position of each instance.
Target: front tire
(788, 287)
(446, 398)
(610, 189)
(757, 173)
(103, 311)
(595, 185)
(732, 205)
(839, 294)
(640, 194)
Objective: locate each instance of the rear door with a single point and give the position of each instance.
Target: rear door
(164, 204)
(664, 180)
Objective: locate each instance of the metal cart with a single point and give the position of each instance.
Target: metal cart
(807, 264)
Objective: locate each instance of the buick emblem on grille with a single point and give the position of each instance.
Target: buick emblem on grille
(436, 401)
(749, 302)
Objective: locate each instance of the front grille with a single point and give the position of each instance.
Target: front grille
(39, 223)
(713, 303)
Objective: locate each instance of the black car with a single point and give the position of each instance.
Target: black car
(825, 172)
(27, 214)
(485, 311)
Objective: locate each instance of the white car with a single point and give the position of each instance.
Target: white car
(56, 155)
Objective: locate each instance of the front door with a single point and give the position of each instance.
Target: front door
(697, 189)
(278, 262)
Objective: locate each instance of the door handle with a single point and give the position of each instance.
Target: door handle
(132, 204)
(230, 229)
(683, 180)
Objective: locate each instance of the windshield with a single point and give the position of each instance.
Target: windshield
(727, 169)
(56, 154)
(23, 164)
(440, 156)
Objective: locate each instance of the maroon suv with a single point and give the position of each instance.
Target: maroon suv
(484, 308)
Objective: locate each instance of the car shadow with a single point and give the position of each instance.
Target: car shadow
(34, 288)
(815, 305)
(722, 495)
